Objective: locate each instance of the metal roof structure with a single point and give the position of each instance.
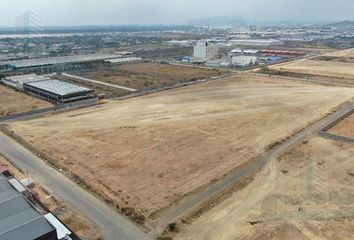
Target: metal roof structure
(21, 79)
(37, 62)
(27, 78)
(62, 231)
(19, 220)
(58, 87)
(122, 60)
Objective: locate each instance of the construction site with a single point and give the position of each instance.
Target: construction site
(171, 144)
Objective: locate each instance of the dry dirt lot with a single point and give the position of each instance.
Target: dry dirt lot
(306, 194)
(146, 75)
(12, 102)
(345, 56)
(349, 53)
(345, 127)
(147, 152)
(321, 68)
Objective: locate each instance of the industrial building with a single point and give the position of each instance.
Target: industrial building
(244, 61)
(239, 51)
(41, 62)
(18, 81)
(59, 91)
(124, 60)
(20, 220)
(282, 53)
(256, 42)
(217, 63)
(204, 51)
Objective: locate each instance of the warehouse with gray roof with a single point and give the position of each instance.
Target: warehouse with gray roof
(41, 62)
(19, 220)
(59, 91)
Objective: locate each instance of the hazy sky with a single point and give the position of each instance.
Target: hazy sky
(118, 12)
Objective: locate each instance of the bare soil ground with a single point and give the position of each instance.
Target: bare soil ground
(76, 220)
(321, 68)
(150, 151)
(107, 91)
(349, 53)
(306, 194)
(146, 75)
(12, 102)
(345, 127)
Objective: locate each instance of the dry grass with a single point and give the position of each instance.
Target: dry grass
(349, 53)
(12, 102)
(321, 68)
(345, 127)
(169, 70)
(306, 194)
(149, 151)
(147, 75)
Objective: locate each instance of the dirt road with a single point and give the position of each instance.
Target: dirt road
(189, 204)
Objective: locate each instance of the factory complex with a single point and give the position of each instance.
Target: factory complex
(39, 62)
(53, 90)
(212, 53)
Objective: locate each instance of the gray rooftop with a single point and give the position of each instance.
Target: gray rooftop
(58, 87)
(57, 60)
(27, 78)
(18, 218)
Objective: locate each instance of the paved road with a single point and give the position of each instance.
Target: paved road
(326, 82)
(115, 227)
(99, 82)
(192, 203)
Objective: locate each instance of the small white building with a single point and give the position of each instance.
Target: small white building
(217, 63)
(204, 51)
(244, 61)
(236, 51)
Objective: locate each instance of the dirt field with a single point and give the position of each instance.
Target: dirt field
(77, 221)
(345, 56)
(12, 102)
(306, 194)
(349, 53)
(322, 68)
(146, 75)
(345, 127)
(107, 91)
(149, 151)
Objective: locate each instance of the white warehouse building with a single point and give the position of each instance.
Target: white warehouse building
(244, 61)
(204, 51)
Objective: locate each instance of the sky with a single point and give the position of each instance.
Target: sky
(147, 12)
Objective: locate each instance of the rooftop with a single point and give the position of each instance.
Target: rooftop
(58, 87)
(19, 220)
(57, 60)
(27, 78)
